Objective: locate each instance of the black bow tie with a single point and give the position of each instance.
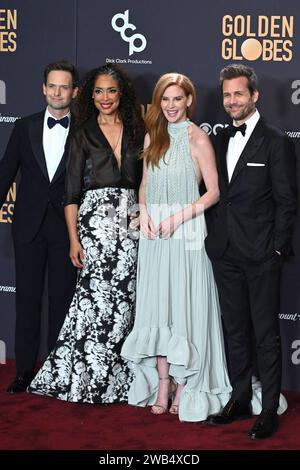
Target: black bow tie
(63, 122)
(232, 130)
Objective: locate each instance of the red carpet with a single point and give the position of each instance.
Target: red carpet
(33, 422)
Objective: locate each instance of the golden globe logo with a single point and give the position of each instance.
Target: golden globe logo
(251, 37)
(7, 209)
(8, 30)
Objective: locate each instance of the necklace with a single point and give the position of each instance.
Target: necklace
(119, 137)
(108, 137)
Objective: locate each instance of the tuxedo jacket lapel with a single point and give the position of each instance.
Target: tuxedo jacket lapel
(250, 150)
(61, 167)
(35, 128)
(223, 155)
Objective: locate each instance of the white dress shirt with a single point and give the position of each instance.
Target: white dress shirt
(237, 143)
(54, 141)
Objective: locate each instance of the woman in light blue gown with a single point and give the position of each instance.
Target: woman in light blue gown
(177, 336)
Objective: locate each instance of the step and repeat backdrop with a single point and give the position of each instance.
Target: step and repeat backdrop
(149, 38)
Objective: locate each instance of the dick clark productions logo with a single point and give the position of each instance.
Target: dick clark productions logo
(134, 39)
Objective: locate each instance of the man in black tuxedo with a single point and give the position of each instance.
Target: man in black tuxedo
(250, 237)
(37, 148)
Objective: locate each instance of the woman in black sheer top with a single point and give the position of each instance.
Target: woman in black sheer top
(103, 176)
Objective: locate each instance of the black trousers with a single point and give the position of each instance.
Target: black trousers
(250, 302)
(50, 248)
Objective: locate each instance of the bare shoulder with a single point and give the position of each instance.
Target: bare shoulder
(198, 136)
(146, 141)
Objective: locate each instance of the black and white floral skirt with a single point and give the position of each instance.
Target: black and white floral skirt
(86, 365)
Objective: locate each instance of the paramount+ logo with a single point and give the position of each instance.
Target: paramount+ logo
(253, 37)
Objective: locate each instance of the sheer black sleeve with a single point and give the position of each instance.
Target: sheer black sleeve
(76, 159)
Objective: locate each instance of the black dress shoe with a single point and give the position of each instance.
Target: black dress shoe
(232, 411)
(20, 383)
(265, 425)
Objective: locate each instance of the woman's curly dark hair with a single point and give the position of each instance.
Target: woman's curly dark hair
(129, 109)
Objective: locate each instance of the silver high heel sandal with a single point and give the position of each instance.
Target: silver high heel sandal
(174, 408)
